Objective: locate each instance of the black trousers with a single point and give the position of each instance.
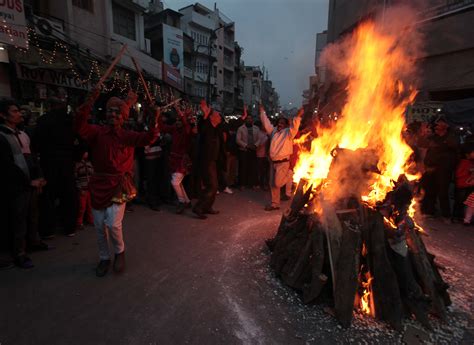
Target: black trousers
(247, 168)
(436, 187)
(210, 186)
(152, 175)
(14, 222)
(61, 186)
(263, 173)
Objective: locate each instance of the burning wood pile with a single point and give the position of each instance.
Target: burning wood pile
(349, 235)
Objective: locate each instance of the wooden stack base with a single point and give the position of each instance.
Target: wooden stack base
(326, 254)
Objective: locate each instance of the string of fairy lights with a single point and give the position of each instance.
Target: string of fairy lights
(121, 83)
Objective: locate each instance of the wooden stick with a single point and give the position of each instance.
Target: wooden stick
(170, 104)
(140, 75)
(111, 67)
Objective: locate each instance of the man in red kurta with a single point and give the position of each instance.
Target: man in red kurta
(111, 185)
(179, 158)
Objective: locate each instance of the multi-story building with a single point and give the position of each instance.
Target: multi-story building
(253, 80)
(448, 45)
(69, 36)
(214, 45)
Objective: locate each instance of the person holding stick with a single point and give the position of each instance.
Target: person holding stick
(211, 154)
(111, 186)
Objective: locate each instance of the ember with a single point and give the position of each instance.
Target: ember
(349, 233)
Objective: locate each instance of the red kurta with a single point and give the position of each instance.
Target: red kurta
(111, 155)
(181, 139)
(463, 173)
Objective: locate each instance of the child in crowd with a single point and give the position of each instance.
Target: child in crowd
(83, 173)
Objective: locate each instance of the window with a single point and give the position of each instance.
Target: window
(124, 21)
(87, 5)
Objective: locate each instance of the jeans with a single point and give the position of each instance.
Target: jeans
(108, 221)
(177, 183)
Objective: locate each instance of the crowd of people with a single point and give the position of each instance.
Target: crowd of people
(68, 170)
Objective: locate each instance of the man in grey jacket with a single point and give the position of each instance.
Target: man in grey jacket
(248, 139)
(281, 148)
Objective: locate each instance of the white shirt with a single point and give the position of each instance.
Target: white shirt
(281, 144)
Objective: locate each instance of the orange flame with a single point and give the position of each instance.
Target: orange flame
(366, 301)
(373, 116)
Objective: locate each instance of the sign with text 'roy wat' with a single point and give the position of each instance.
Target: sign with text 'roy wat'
(51, 77)
(13, 28)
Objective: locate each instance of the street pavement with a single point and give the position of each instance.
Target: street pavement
(197, 282)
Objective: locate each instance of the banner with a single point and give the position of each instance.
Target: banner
(173, 62)
(13, 28)
(50, 76)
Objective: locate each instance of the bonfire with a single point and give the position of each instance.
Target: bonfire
(350, 234)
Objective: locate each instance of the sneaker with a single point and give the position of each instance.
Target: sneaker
(271, 208)
(119, 262)
(24, 262)
(228, 190)
(102, 268)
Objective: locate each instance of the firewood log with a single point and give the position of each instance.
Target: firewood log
(347, 269)
(385, 289)
(425, 272)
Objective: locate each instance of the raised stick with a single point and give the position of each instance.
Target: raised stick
(111, 67)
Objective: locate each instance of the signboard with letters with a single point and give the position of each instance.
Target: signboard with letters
(50, 76)
(13, 29)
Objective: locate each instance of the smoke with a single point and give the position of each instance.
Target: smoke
(398, 22)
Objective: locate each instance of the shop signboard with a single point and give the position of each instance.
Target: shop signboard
(173, 62)
(13, 28)
(424, 112)
(51, 76)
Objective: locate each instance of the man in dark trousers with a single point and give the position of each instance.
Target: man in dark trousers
(440, 161)
(211, 156)
(54, 141)
(17, 179)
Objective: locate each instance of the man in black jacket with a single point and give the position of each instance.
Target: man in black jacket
(211, 156)
(16, 181)
(54, 141)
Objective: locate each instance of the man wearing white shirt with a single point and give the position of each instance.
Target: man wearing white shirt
(281, 148)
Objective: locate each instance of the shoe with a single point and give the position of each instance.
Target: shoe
(24, 262)
(6, 264)
(119, 262)
(180, 208)
(102, 268)
(285, 198)
(227, 190)
(188, 205)
(71, 234)
(211, 211)
(271, 208)
(199, 214)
